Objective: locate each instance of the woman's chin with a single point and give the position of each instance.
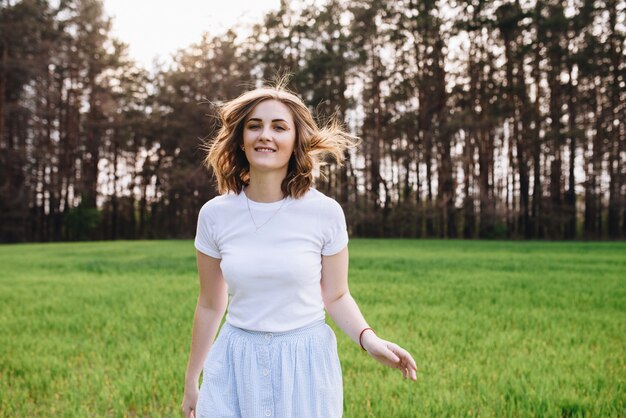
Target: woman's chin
(266, 167)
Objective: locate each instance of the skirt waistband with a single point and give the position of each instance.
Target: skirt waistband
(268, 337)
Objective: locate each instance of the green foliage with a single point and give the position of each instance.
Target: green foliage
(497, 328)
(82, 221)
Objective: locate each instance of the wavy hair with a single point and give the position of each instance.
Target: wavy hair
(313, 143)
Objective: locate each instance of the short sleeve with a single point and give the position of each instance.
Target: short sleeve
(335, 233)
(205, 240)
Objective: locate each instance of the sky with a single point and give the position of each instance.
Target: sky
(157, 28)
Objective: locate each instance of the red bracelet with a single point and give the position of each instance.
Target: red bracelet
(361, 335)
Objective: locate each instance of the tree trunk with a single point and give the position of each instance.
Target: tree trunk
(92, 146)
(554, 83)
(537, 204)
(615, 175)
(3, 86)
(114, 197)
(570, 197)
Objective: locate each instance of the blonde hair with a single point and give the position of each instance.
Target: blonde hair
(230, 165)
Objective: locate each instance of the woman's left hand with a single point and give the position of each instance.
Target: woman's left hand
(390, 354)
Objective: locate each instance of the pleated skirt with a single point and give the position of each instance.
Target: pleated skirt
(254, 374)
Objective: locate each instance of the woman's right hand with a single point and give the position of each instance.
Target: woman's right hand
(190, 399)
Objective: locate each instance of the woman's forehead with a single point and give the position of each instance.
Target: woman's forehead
(271, 110)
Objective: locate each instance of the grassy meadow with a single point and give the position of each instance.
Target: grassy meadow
(498, 329)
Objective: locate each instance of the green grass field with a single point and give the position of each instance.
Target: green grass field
(497, 328)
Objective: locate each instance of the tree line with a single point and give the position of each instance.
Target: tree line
(478, 119)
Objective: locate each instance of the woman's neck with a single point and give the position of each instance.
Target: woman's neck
(265, 188)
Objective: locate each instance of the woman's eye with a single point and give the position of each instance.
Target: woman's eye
(280, 128)
(252, 126)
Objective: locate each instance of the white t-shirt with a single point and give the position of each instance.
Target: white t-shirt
(273, 274)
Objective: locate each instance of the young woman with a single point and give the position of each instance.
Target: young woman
(278, 247)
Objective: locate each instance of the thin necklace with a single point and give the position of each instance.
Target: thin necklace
(251, 217)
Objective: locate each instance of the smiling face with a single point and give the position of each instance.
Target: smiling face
(269, 136)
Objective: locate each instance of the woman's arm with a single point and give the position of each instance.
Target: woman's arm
(347, 315)
(210, 308)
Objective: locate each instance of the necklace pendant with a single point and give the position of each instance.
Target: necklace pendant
(270, 218)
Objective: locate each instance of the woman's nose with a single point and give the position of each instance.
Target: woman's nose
(265, 133)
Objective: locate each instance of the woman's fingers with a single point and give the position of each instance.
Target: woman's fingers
(404, 355)
(406, 362)
(391, 356)
(189, 413)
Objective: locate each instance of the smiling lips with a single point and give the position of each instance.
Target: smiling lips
(264, 149)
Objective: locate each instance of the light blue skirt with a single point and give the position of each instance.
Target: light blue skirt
(254, 374)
